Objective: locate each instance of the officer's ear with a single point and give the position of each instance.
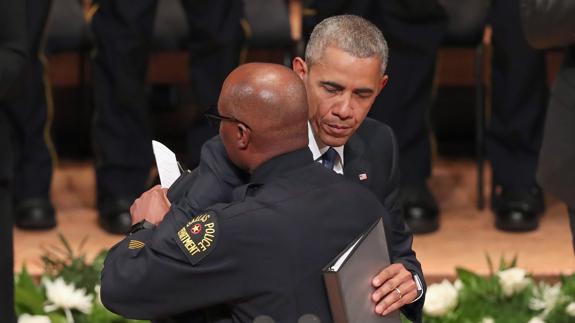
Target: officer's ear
(243, 136)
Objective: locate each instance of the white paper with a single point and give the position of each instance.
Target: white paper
(167, 164)
(345, 255)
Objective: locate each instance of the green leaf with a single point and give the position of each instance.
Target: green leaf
(470, 279)
(56, 317)
(489, 264)
(568, 286)
(64, 241)
(29, 297)
(29, 301)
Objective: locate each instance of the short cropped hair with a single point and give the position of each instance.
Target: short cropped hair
(350, 33)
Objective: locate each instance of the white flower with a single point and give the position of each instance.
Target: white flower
(536, 319)
(440, 299)
(458, 284)
(27, 318)
(513, 280)
(544, 298)
(570, 310)
(66, 297)
(487, 320)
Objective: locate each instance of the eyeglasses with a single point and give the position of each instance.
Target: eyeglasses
(215, 118)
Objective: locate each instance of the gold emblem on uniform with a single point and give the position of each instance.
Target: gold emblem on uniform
(136, 244)
(197, 237)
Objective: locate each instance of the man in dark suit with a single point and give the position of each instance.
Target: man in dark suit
(415, 30)
(13, 57)
(343, 72)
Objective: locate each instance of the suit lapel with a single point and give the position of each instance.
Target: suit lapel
(356, 167)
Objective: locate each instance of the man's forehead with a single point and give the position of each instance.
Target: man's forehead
(344, 76)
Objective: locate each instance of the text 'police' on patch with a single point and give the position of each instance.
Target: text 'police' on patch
(198, 237)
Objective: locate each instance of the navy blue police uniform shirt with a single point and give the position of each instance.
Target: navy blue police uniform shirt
(371, 160)
(262, 254)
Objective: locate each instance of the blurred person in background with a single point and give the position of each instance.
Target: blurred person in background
(551, 24)
(31, 116)
(121, 132)
(13, 55)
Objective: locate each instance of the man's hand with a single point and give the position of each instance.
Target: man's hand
(151, 206)
(395, 287)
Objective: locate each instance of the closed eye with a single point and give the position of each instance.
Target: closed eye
(364, 93)
(331, 87)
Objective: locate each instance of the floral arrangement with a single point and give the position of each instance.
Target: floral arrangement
(507, 295)
(68, 291)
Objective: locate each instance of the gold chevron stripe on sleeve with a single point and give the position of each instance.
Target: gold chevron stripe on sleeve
(136, 244)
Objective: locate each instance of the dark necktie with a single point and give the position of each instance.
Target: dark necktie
(328, 158)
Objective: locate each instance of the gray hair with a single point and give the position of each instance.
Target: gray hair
(350, 33)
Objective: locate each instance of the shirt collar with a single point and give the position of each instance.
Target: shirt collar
(318, 148)
(281, 164)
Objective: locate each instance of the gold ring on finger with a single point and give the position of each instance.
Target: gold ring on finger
(398, 292)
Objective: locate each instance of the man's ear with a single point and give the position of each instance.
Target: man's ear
(243, 136)
(300, 67)
(383, 82)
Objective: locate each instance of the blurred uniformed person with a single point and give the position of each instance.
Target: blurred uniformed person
(13, 56)
(261, 254)
(123, 31)
(30, 114)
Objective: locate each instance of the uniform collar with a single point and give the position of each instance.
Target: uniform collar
(281, 164)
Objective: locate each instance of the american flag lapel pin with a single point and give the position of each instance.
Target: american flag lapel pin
(362, 176)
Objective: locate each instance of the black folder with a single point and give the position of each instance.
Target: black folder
(348, 278)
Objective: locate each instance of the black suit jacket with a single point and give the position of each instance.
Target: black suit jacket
(371, 159)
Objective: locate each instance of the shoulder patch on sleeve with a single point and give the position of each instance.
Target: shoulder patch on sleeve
(136, 244)
(198, 237)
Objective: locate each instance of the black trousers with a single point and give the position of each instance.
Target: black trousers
(519, 93)
(30, 114)
(6, 247)
(123, 31)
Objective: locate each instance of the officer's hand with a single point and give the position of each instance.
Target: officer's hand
(151, 206)
(395, 287)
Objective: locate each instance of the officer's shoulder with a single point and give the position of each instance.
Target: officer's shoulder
(213, 145)
(226, 211)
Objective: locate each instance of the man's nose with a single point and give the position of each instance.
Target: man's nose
(344, 107)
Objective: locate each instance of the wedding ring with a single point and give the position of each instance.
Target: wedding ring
(398, 292)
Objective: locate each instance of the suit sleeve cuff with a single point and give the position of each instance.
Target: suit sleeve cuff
(419, 288)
